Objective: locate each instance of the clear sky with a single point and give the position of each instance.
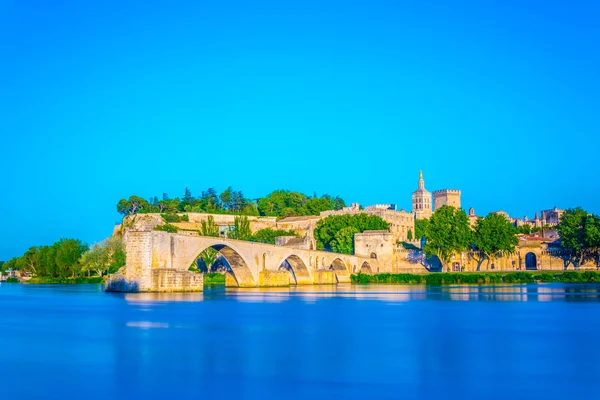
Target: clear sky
(103, 99)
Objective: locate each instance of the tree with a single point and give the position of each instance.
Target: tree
(493, 236)
(132, 205)
(343, 241)
(409, 235)
(95, 260)
(226, 198)
(209, 228)
(327, 229)
(448, 233)
(420, 228)
(241, 229)
(208, 257)
(104, 257)
(68, 255)
(592, 237)
(187, 198)
(572, 231)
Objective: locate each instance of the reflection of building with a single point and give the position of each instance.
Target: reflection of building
(421, 200)
(446, 197)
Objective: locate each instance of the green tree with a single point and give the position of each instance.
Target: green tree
(343, 241)
(226, 198)
(448, 233)
(67, 256)
(208, 257)
(592, 237)
(132, 205)
(209, 228)
(420, 228)
(241, 229)
(95, 260)
(493, 236)
(572, 231)
(409, 235)
(327, 228)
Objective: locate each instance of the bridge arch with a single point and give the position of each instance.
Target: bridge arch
(365, 268)
(342, 273)
(299, 273)
(239, 273)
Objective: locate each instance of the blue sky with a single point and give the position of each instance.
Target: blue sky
(100, 100)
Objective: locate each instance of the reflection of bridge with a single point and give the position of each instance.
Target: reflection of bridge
(252, 264)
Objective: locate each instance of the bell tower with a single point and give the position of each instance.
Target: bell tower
(421, 200)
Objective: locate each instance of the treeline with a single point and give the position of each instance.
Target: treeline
(70, 258)
(448, 233)
(279, 203)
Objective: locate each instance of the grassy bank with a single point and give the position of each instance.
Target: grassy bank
(442, 278)
(214, 278)
(63, 281)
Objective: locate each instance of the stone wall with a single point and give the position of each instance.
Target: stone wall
(325, 277)
(273, 278)
(172, 280)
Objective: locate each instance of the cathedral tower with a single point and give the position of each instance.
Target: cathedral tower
(421, 200)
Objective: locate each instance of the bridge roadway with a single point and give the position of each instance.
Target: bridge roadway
(150, 250)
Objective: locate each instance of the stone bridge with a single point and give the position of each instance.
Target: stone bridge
(252, 264)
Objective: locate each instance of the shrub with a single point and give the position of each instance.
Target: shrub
(518, 277)
(214, 278)
(545, 277)
(171, 217)
(185, 218)
(166, 228)
(12, 280)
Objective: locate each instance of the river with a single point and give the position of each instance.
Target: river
(345, 342)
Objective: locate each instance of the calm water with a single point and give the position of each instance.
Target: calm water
(369, 342)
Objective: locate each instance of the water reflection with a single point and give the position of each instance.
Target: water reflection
(387, 293)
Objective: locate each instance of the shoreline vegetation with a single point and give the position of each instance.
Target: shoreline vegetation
(478, 278)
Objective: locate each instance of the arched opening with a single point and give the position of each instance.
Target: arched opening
(530, 261)
(373, 255)
(342, 273)
(299, 274)
(228, 261)
(366, 268)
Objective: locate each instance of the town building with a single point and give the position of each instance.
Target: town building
(421, 200)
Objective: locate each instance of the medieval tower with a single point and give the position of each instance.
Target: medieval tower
(421, 200)
(446, 197)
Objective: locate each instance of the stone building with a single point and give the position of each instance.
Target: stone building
(421, 200)
(379, 245)
(446, 197)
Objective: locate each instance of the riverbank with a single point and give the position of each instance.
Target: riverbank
(478, 278)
